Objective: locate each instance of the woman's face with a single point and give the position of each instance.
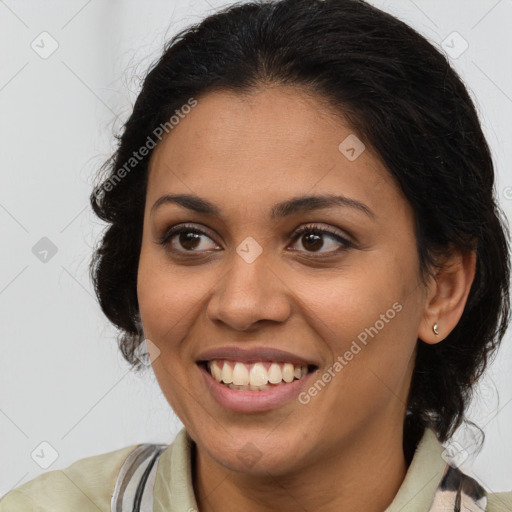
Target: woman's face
(249, 293)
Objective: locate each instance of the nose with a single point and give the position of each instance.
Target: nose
(249, 294)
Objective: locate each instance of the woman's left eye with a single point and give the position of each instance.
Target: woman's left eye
(311, 236)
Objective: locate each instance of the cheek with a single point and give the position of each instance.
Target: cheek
(358, 318)
(368, 317)
(169, 296)
(168, 303)
(370, 292)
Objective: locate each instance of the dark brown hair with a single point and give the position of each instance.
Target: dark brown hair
(401, 97)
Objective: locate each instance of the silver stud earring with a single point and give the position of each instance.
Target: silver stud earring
(435, 329)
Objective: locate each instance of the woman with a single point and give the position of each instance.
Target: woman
(303, 231)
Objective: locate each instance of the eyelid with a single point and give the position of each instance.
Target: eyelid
(179, 228)
(323, 230)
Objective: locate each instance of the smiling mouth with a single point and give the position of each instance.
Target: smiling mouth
(256, 376)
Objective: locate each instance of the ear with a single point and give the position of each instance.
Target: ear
(447, 294)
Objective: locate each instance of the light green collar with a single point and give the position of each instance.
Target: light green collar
(174, 490)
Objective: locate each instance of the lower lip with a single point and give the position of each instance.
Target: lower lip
(253, 401)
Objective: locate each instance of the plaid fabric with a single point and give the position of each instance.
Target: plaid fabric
(134, 487)
(133, 492)
(458, 492)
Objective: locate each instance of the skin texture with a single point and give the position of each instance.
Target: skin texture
(343, 450)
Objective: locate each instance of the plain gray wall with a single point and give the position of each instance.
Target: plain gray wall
(62, 379)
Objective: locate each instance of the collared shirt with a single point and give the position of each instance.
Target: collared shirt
(106, 483)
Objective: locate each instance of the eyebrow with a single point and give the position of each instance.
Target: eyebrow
(301, 204)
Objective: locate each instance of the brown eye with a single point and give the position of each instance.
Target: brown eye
(312, 239)
(184, 239)
(189, 240)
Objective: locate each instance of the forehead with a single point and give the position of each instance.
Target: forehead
(274, 142)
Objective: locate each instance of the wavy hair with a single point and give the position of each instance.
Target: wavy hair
(401, 97)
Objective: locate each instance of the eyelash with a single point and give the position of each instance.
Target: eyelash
(309, 228)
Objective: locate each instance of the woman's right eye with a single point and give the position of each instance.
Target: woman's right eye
(189, 239)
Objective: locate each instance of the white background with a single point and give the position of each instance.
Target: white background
(62, 379)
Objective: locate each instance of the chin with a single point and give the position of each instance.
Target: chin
(255, 452)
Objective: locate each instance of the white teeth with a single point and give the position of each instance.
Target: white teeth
(250, 388)
(254, 376)
(275, 375)
(227, 374)
(258, 375)
(288, 371)
(240, 374)
(215, 370)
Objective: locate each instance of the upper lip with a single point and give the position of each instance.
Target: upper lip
(253, 355)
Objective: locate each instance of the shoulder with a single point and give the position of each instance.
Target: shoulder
(459, 489)
(499, 502)
(85, 485)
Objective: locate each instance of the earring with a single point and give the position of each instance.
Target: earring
(435, 329)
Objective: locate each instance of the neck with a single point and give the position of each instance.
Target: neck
(365, 474)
